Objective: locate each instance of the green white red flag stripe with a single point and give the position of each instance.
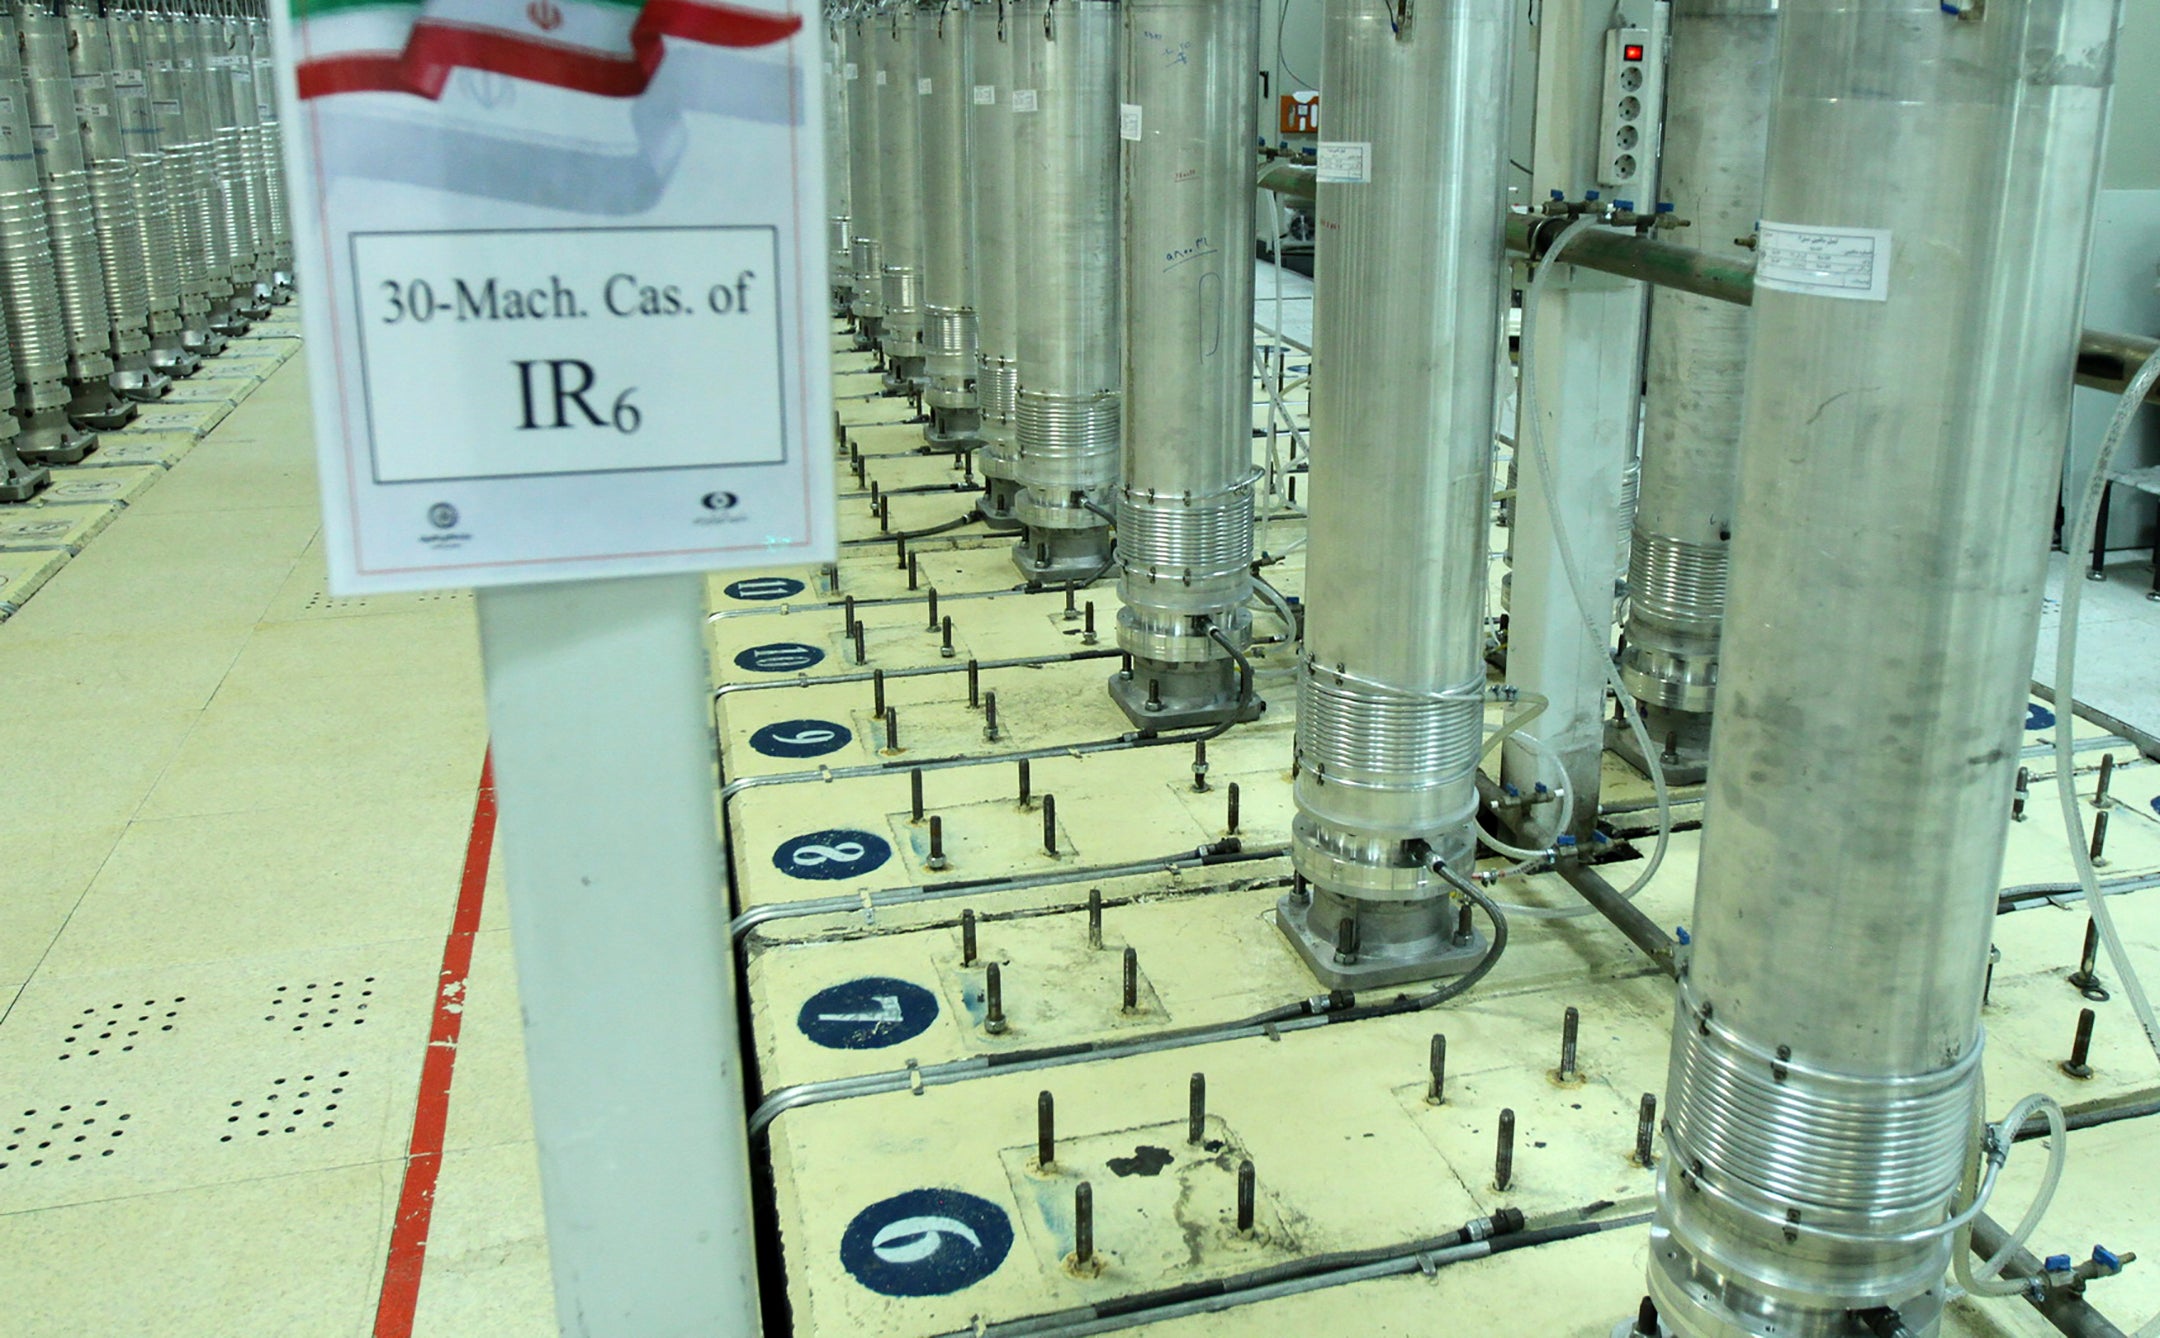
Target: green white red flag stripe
(606, 47)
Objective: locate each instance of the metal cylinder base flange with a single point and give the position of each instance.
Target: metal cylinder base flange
(1680, 740)
(1369, 911)
(1195, 684)
(1001, 492)
(1056, 557)
(95, 405)
(48, 438)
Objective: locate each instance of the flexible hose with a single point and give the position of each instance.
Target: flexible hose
(1278, 605)
(1985, 1280)
(2088, 514)
(1600, 633)
(1537, 703)
(949, 526)
(1462, 984)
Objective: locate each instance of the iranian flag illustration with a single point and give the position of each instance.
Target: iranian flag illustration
(352, 46)
(606, 47)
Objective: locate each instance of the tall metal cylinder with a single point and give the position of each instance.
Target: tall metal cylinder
(1409, 274)
(1185, 510)
(29, 287)
(245, 156)
(270, 150)
(64, 175)
(167, 64)
(1066, 419)
(1906, 404)
(1717, 124)
(992, 189)
(948, 250)
(156, 229)
(838, 213)
(110, 174)
(216, 222)
(866, 202)
(231, 189)
(900, 177)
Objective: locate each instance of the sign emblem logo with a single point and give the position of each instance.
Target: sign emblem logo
(546, 15)
(442, 515)
(868, 1014)
(778, 657)
(926, 1242)
(801, 738)
(837, 853)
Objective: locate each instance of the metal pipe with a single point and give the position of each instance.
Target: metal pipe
(1409, 272)
(1717, 124)
(1185, 512)
(901, 207)
(992, 177)
(948, 251)
(1066, 418)
(1819, 1133)
(2068, 1311)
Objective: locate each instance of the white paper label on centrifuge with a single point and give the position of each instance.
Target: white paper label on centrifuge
(986, 95)
(1128, 120)
(1824, 262)
(1023, 99)
(1344, 163)
(853, 70)
(573, 333)
(922, 86)
(881, 78)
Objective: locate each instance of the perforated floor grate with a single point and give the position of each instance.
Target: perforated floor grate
(70, 1131)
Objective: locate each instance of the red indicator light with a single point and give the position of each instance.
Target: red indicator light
(1631, 52)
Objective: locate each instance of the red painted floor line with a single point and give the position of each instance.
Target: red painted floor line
(423, 1158)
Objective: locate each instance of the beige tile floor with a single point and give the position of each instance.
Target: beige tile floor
(230, 798)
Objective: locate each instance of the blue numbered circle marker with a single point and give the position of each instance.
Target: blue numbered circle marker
(839, 853)
(2038, 716)
(867, 1014)
(926, 1242)
(757, 589)
(801, 738)
(778, 657)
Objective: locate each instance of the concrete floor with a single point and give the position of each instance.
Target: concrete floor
(233, 841)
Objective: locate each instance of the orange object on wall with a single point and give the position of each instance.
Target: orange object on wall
(1301, 113)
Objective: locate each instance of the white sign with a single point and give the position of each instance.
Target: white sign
(1344, 163)
(1023, 99)
(1128, 120)
(556, 336)
(1824, 262)
(986, 95)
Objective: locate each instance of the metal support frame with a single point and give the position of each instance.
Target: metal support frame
(603, 765)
